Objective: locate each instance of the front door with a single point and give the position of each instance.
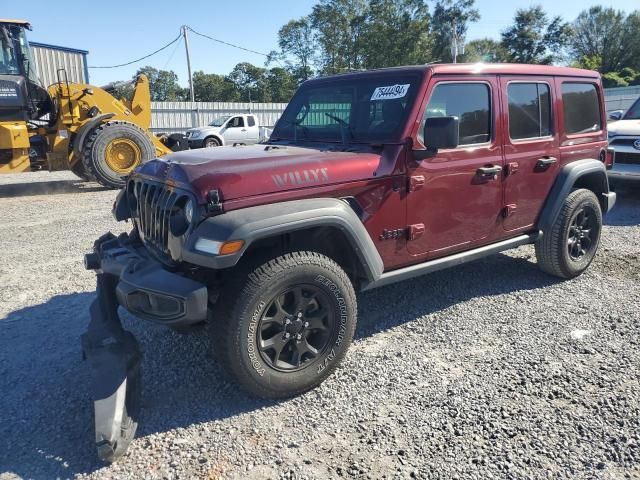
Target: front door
(235, 131)
(531, 148)
(457, 194)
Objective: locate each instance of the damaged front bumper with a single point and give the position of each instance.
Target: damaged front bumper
(127, 276)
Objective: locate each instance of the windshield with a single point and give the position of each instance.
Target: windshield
(367, 108)
(15, 57)
(218, 122)
(634, 112)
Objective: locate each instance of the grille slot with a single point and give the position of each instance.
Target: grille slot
(627, 158)
(152, 205)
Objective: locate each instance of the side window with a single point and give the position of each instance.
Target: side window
(251, 121)
(470, 102)
(236, 122)
(581, 108)
(529, 110)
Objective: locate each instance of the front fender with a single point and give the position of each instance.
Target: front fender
(255, 223)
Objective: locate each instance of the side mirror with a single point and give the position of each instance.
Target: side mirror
(615, 114)
(439, 132)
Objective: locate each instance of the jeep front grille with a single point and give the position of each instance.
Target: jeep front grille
(152, 205)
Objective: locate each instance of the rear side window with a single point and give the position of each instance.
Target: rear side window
(251, 121)
(529, 110)
(581, 108)
(470, 102)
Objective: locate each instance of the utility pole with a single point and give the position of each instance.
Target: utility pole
(186, 47)
(454, 49)
(191, 92)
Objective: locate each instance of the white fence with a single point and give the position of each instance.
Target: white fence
(620, 98)
(171, 117)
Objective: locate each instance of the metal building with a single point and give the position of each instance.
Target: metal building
(49, 58)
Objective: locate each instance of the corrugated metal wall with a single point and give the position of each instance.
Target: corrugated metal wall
(49, 59)
(170, 117)
(620, 98)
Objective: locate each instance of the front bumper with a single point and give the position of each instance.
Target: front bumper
(146, 287)
(625, 171)
(196, 143)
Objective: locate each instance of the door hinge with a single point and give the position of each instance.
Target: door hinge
(512, 167)
(416, 182)
(509, 210)
(416, 231)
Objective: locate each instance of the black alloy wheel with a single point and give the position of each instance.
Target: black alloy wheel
(296, 328)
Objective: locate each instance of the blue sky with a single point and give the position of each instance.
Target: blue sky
(117, 31)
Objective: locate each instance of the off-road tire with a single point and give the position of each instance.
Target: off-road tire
(95, 146)
(552, 249)
(236, 322)
(211, 142)
(81, 172)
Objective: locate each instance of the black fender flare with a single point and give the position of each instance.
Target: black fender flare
(84, 130)
(590, 172)
(263, 221)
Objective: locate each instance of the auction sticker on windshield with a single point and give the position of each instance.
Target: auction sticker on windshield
(390, 92)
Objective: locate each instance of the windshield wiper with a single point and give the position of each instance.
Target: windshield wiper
(344, 125)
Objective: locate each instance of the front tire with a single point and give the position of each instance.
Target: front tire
(113, 150)
(211, 142)
(283, 328)
(568, 249)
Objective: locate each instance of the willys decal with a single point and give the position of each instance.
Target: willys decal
(301, 177)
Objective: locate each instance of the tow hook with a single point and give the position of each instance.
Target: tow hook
(115, 358)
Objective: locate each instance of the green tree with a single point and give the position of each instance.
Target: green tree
(395, 32)
(448, 14)
(250, 82)
(534, 38)
(211, 87)
(339, 24)
(163, 84)
(485, 50)
(281, 84)
(297, 42)
(605, 35)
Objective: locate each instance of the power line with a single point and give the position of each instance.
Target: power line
(228, 44)
(146, 56)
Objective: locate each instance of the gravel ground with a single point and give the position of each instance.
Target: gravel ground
(488, 370)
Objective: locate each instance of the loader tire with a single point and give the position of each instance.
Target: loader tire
(80, 171)
(114, 149)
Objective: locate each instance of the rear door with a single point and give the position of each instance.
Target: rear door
(531, 147)
(453, 197)
(253, 130)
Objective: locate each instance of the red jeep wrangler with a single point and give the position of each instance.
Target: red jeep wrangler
(369, 178)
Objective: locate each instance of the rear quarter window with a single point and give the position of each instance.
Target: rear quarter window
(251, 121)
(581, 107)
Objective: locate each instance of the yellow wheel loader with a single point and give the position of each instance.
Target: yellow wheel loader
(68, 125)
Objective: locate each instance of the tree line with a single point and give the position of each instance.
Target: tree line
(346, 35)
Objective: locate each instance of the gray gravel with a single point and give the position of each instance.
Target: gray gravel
(489, 370)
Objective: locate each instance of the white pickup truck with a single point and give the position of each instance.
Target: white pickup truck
(228, 130)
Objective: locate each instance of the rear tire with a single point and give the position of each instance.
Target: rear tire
(113, 150)
(282, 328)
(568, 249)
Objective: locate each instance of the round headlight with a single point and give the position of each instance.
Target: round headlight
(188, 211)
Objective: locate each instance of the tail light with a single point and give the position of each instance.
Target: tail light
(609, 158)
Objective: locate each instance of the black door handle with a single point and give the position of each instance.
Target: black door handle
(545, 162)
(489, 172)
